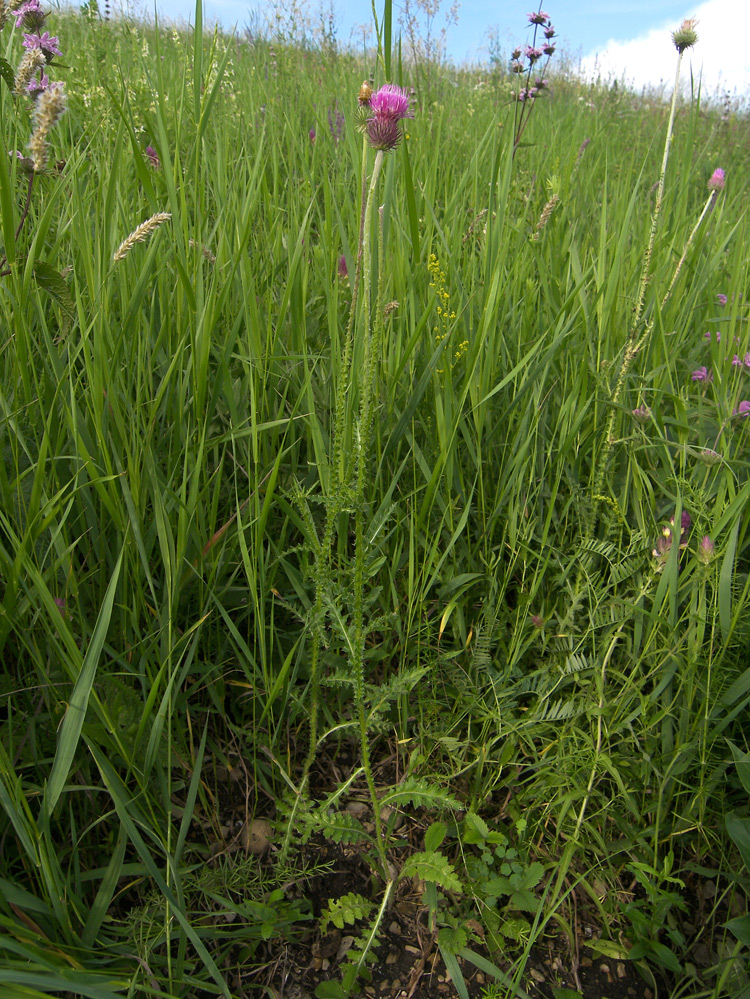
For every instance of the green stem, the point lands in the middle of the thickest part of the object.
(372, 329)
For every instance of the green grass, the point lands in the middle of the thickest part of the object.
(162, 415)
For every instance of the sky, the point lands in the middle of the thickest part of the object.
(624, 39)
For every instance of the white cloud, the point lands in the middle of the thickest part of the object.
(721, 56)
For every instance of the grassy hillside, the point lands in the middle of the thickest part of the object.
(376, 509)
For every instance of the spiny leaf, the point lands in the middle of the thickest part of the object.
(341, 827)
(433, 867)
(419, 792)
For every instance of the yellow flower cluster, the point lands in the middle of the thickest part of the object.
(445, 315)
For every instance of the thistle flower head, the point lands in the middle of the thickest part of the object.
(685, 36)
(391, 102)
(386, 109)
(383, 132)
(642, 414)
(717, 180)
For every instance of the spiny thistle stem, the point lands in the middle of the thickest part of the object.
(337, 488)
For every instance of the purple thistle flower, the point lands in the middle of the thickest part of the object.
(642, 414)
(532, 54)
(742, 410)
(383, 132)
(717, 180)
(391, 102)
(153, 157)
(721, 299)
(702, 374)
(343, 270)
(388, 106)
(538, 18)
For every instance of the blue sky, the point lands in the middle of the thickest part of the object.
(622, 38)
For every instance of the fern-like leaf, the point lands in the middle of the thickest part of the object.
(433, 867)
(419, 792)
(347, 909)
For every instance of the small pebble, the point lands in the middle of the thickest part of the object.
(394, 927)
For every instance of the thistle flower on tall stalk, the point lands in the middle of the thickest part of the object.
(379, 117)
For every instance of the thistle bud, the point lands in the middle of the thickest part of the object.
(685, 36)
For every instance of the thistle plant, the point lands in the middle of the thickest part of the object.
(380, 115)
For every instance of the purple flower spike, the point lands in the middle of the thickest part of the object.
(721, 299)
(153, 157)
(46, 42)
(717, 180)
(702, 374)
(37, 86)
(311, 135)
(343, 270)
(391, 102)
(29, 14)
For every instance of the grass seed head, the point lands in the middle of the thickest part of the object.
(140, 234)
